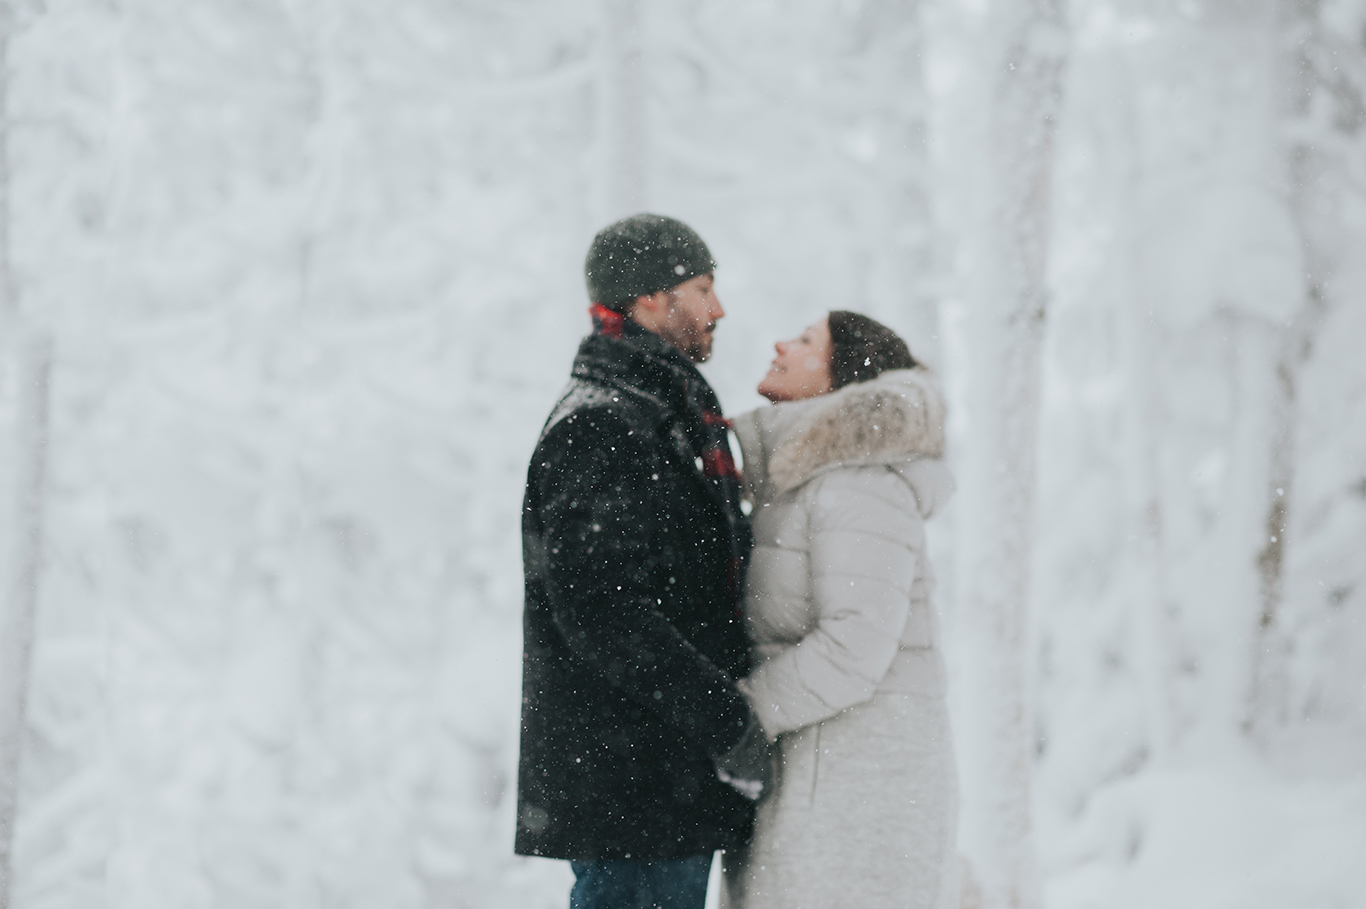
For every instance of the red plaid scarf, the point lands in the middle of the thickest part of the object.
(710, 434)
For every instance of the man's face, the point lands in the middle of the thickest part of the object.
(690, 317)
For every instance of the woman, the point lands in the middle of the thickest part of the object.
(844, 469)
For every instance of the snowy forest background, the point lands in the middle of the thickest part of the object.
(306, 278)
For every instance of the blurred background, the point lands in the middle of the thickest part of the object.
(306, 277)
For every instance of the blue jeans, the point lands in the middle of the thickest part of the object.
(629, 884)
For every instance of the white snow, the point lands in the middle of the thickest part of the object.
(1235, 835)
(314, 274)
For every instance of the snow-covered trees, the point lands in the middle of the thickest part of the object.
(315, 273)
(25, 372)
(1179, 271)
(1321, 75)
(996, 525)
(27, 360)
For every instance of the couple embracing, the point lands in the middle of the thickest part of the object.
(717, 662)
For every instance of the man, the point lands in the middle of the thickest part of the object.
(639, 756)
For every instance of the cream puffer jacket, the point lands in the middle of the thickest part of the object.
(838, 593)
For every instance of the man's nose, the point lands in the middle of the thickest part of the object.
(716, 311)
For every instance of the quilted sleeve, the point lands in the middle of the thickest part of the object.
(864, 545)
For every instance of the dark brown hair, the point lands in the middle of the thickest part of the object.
(862, 349)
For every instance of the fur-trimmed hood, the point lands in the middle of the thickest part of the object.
(896, 420)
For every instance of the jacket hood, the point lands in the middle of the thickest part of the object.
(895, 420)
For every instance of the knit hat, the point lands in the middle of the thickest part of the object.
(642, 255)
(862, 348)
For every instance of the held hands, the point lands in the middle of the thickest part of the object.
(748, 766)
(750, 789)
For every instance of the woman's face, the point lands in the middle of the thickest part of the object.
(802, 367)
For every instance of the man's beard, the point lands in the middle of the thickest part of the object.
(693, 339)
(697, 347)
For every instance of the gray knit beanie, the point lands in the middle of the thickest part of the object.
(642, 255)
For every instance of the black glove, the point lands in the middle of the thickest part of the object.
(748, 765)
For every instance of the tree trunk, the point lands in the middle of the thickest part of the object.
(1267, 703)
(997, 529)
(1152, 607)
(9, 306)
(20, 566)
(1252, 346)
(23, 567)
(1313, 79)
(621, 106)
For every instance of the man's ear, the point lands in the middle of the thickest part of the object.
(649, 310)
(651, 304)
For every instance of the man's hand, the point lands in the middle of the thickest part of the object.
(748, 766)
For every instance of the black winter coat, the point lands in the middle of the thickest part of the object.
(631, 634)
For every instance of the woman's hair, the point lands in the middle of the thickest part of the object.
(862, 349)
